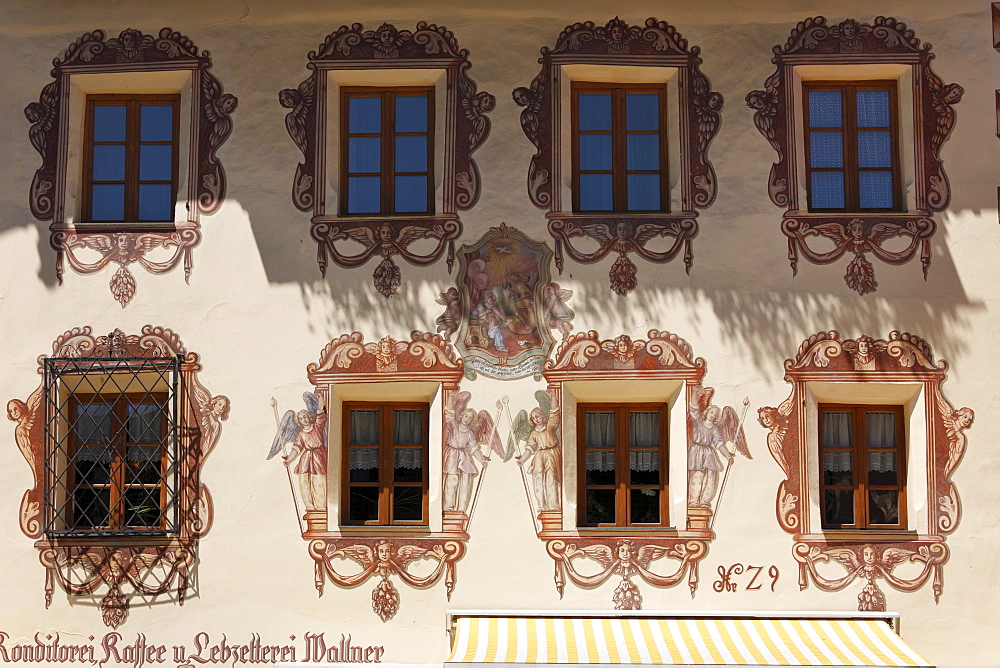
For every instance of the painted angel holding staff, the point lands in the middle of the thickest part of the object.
(465, 432)
(713, 432)
(301, 438)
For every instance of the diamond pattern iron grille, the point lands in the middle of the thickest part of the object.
(111, 456)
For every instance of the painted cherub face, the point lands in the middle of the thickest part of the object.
(536, 417)
(712, 414)
(382, 551)
(767, 417)
(466, 418)
(15, 410)
(305, 419)
(863, 346)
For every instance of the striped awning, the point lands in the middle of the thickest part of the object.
(650, 641)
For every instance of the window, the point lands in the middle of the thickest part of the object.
(112, 447)
(623, 455)
(130, 168)
(858, 119)
(863, 467)
(388, 151)
(387, 123)
(621, 118)
(619, 148)
(386, 463)
(852, 156)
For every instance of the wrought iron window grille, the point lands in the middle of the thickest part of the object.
(112, 461)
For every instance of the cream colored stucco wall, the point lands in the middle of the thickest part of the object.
(257, 312)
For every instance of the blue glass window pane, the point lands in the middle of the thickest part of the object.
(364, 154)
(595, 192)
(875, 190)
(642, 111)
(873, 108)
(826, 149)
(156, 122)
(109, 163)
(364, 114)
(154, 202)
(411, 154)
(643, 192)
(825, 109)
(595, 152)
(874, 148)
(411, 113)
(827, 191)
(363, 194)
(595, 111)
(109, 122)
(156, 162)
(643, 152)
(411, 194)
(107, 202)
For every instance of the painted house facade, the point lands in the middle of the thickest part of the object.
(426, 333)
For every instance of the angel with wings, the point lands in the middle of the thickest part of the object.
(713, 432)
(465, 432)
(301, 438)
(539, 432)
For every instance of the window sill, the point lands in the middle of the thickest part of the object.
(863, 536)
(118, 227)
(112, 542)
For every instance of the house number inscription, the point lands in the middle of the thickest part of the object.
(752, 578)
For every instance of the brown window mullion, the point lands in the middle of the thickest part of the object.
(388, 181)
(622, 495)
(385, 473)
(131, 210)
(619, 150)
(849, 120)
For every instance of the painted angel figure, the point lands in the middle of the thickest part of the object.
(557, 314)
(448, 322)
(301, 438)
(539, 432)
(714, 431)
(465, 432)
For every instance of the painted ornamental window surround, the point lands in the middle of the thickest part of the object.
(871, 409)
(395, 61)
(657, 377)
(890, 150)
(121, 207)
(563, 170)
(411, 385)
(116, 436)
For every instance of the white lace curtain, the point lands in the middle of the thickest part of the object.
(408, 429)
(644, 431)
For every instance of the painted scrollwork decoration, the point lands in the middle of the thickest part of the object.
(352, 47)
(901, 357)
(626, 559)
(814, 41)
(383, 559)
(131, 51)
(150, 566)
(872, 563)
(617, 43)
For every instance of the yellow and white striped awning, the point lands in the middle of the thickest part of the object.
(650, 641)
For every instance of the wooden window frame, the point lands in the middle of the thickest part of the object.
(622, 485)
(619, 171)
(849, 128)
(132, 144)
(860, 468)
(387, 133)
(116, 484)
(386, 468)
